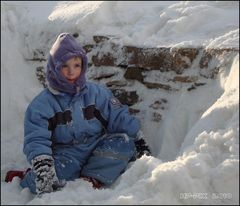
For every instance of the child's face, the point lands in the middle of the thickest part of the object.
(71, 70)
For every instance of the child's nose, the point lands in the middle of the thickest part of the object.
(71, 69)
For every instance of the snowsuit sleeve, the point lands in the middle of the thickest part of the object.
(37, 137)
(117, 115)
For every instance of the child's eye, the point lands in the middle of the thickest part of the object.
(77, 65)
(64, 65)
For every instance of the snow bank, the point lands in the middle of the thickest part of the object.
(196, 158)
(143, 24)
(18, 86)
(151, 24)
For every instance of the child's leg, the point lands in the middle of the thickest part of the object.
(66, 168)
(110, 158)
(29, 181)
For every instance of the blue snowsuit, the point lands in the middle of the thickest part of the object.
(88, 133)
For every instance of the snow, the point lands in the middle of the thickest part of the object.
(153, 23)
(195, 147)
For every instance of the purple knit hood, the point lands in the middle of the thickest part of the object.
(64, 48)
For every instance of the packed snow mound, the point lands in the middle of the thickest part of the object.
(201, 128)
(154, 24)
(143, 24)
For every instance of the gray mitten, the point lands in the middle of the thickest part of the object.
(46, 178)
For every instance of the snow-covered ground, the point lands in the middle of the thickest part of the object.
(196, 146)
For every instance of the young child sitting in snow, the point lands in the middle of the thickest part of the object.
(76, 128)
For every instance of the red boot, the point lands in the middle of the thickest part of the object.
(95, 183)
(15, 173)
